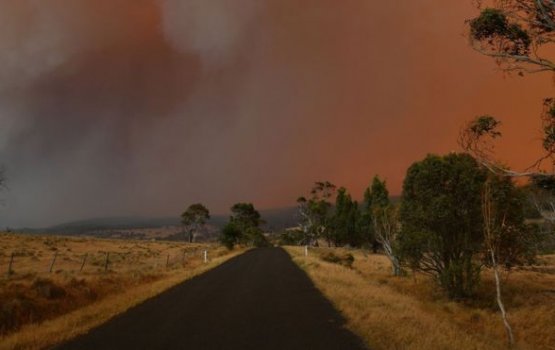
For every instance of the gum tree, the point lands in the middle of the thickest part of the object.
(315, 213)
(193, 219)
(441, 221)
(385, 222)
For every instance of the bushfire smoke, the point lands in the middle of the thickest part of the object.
(141, 107)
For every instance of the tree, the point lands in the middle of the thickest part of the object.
(230, 235)
(385, 223)
(441, 220)
(478, 138)
(495, 226)
(345, 220)
(194, 218)
(315, 213)
(507, 241)
(518, 34)
(243, 227)
(366, 221)
(514, 243)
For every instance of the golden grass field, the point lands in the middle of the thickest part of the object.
(411, 313)
(39, 309)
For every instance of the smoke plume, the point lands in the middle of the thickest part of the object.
(141, 107)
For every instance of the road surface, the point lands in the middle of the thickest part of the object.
(258, 300)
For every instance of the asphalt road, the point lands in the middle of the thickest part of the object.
(258, 300)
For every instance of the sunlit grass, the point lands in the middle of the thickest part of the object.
(67, 303)
(411, 313)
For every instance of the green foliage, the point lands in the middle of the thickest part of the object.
(244, 215)
(385, 221)
(315, 213)
(441, 220)
(291, 237)
(193, 218)
(345, 259)
(494, 29)
(379, 193)
(548, 121)
(544, 182)
(243, 227)
(485, 125)
(230, 235)
(515, 243)
(345, 221)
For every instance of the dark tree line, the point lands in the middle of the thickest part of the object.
(332, 216)
(437, 227)
(243, 227)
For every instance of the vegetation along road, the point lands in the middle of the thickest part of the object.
(258, 300)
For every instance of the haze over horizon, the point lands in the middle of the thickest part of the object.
(141, 107)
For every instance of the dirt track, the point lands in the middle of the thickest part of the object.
(259, 300)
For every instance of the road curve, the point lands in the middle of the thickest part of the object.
(258, 300)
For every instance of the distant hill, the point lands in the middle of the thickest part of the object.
(275, 220)
(279, 219)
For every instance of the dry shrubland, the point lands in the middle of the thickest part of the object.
(412, 313)
(39, 308)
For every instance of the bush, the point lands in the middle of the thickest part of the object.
(48, 289)
(345, 259)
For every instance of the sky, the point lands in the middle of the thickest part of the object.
(142, 107)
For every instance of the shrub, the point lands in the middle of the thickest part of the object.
(345, 259)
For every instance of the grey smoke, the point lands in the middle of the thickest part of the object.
(140, 107)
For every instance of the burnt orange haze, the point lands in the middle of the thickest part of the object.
(139, 107)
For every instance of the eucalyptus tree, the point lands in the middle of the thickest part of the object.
(315, 213)
(385, 222)
(194, 219)
(520, 36)
(441, 220)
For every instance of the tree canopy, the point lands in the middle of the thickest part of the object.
(441, 220)
(243, 227)
(194, 218)
(518, 34)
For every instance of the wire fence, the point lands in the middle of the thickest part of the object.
(23, 262)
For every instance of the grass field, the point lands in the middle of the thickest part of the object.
(39, 308)
(411, 313)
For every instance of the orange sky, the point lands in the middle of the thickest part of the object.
(138, 107)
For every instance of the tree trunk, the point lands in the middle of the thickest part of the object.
(510, 335)
(395, 266)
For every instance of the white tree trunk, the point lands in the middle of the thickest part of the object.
(510, 335)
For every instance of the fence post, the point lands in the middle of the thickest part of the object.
(306, 250)
(205, 256)
(168, 261)
(10, 270)
(83, 264)
(107, 261)
(52, 263)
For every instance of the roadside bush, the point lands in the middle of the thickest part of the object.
(345, 259)
(48, 289)
(291, 237)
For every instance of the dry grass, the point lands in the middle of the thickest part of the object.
(411, 313)
(40, 309)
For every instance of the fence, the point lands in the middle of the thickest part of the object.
(22, 262)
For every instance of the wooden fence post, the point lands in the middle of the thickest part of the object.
(52, 263)
(10, 270)
(107, 261)
(205, 256)
(84, 261)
